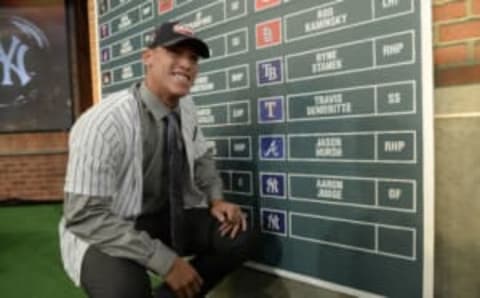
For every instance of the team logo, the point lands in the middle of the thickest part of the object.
(264, 4)
(104, 31)
(272, 147)
(182, 29)
(13, 62)
(21, 44)
(105, 54)
(272, 185)
(270, 72)
(268, 33)
(165, 6)
(270, 109)
(274, 221)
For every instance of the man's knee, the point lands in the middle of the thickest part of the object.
(104, 276)
(243, 245)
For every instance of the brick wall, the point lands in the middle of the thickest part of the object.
(32, 166)
(456, 42)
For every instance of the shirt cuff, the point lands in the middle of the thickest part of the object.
(162, 259)
(215, 192)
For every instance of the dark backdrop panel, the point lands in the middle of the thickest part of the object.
(35, 78)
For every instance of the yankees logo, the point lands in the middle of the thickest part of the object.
(13, 62)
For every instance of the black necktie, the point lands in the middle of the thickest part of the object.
(175, 158)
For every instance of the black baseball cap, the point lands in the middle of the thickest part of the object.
(174, 33)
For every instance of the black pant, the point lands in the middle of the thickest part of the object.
(104, 276)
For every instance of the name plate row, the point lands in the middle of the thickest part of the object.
(369, 237)
(228, 79)
(385, 147)
(132, 18)
(340, 15)
(231, 147)
(224, 114)
(237, 182)
(213, 14)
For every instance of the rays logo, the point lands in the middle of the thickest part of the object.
(12, 54)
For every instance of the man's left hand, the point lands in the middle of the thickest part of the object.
(230, 216)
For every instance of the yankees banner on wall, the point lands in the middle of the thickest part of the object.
(35, 87)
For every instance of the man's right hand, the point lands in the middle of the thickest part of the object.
(183, 279)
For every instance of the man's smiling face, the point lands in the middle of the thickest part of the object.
(171, 71)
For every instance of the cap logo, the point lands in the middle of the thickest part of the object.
(182, 29)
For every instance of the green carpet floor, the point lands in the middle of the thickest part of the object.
(30, 264)
(29, 253)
